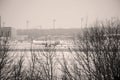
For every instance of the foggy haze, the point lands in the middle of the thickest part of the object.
(67, 13)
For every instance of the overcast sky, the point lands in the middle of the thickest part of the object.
(68, 13)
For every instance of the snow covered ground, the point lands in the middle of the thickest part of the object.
(24, 49)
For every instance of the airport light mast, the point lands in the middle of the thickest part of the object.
(54, 27)
(81, 23)
(27, 24)
(54, 20)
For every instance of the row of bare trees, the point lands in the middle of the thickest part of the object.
(98, 53)
(41, 66)
(97, 57)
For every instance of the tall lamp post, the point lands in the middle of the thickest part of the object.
(54, 20)
(27, 24)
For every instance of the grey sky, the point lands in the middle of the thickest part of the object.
(68, 13)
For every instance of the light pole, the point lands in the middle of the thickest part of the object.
(81, 22)
(54, 20)
(86, 21)
(27, 24)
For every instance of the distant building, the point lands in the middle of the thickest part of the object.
(22, 37)
(8, 32)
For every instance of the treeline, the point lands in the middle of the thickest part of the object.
(100, 59)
